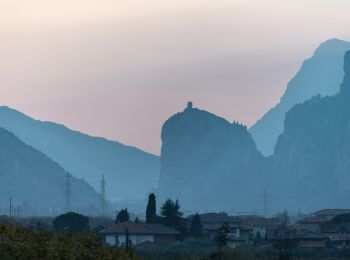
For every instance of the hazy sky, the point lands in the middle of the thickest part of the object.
(120, 68)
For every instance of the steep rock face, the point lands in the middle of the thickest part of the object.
(129, 172)
(311, 164)
(209, 163)
(29, 176)
(321, 74)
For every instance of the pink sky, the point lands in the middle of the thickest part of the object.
(119, 69)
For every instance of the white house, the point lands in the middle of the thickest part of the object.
(138, 234)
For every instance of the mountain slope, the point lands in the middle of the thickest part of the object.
(321, 74)
(30, 177)
(311, 164)
(208, 163)
(129, 172)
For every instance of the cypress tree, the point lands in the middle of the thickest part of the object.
(151, 209)
(196, 229)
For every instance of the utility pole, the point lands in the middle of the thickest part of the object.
(10, 207)
(103, 196)
(67, 192)
(265, 208)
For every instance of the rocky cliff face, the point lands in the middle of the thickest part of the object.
(321, 74)
(311, 164)
(31, 178)
(209, 163)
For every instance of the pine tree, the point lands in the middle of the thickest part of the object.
(196, 229)
(172, 217)
(151, 209)
(170, 211)
(122, 216)
(222, 237)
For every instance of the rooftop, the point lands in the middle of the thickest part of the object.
(139, 228)
(331, 212)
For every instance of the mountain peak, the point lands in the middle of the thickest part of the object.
(345, 86)
(322, 74)
(331, 46)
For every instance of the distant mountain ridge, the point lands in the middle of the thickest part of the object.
(321, 74)
(31, 178)
(129, 172)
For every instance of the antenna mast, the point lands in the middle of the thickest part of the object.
(67, 192)
(265, 209)
(103, 196)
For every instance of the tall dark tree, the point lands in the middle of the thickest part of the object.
(74, 222)
(196, 229)
(223, 235)
(151, 209)
(171, 214)
(122, 216)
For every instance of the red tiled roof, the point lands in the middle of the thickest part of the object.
(139, 228)
(217, 218)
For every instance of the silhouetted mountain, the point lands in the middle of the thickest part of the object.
(311, 164)
(209, 163)
(129, 172)
(31, 178)
(321, 74)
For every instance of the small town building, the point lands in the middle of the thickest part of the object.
(339, 234)
(211, 223)
(331, 213)
(288, 237)
(313, 223)
(310, 239)
(138, 233)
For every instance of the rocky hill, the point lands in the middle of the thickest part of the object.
(209, 163)
(36, 182)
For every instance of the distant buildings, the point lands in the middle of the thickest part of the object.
(318, 230)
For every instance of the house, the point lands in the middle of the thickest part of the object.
(339, 234)
(331, 213)
(211, 223)
(138, 233)
(238, 234)
(258, 225)
(243, 229)
(288, 237)
(310, 239)
(313, 223)
(282, 237)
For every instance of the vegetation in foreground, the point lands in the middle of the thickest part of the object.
(17, 242)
